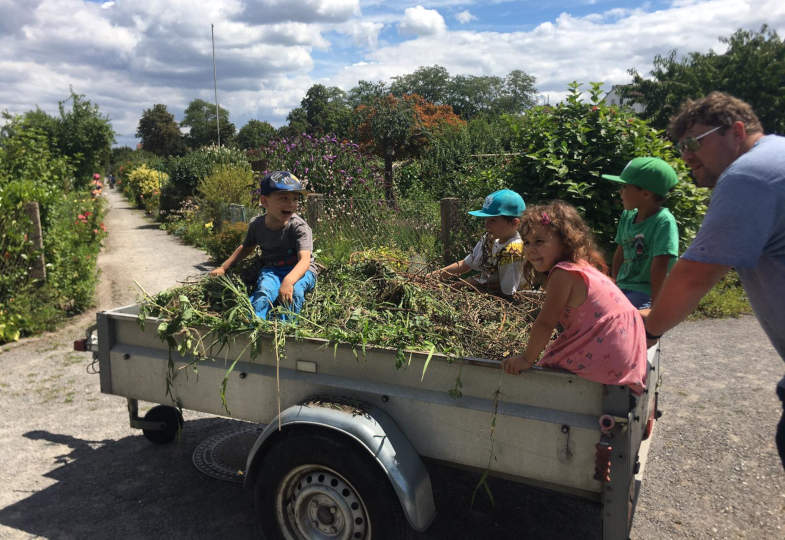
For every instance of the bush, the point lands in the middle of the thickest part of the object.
(325, 164)
(187, 171)
(568, 146)
(726, 299)
(221, 244)
(227, 184)
(145, 185)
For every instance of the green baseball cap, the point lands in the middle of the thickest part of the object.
(649, 173)
(504, 202)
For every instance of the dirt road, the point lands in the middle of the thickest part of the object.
(71, 467)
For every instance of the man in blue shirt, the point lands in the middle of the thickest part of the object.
(722, 141)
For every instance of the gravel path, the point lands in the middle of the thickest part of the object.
(71, 467)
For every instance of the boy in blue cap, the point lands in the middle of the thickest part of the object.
(498, 256)
(286, 241)
(647, 235)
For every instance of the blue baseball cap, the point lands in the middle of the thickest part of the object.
(504, 202)
(280, 181)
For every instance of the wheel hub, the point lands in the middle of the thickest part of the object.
(318, 503)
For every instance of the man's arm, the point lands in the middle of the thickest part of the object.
(687, 283)
(658, 272)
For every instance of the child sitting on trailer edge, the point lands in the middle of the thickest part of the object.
(498, 256)
(288, 269)
(603, 338)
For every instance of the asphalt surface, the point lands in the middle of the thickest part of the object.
(71, 467)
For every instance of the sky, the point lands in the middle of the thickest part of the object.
(127, 55)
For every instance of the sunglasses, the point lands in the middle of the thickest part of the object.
(691, 144)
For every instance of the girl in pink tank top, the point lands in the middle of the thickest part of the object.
(603, 338)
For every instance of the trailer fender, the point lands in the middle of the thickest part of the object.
(371, 429)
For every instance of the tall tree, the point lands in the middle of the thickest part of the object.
(326, 110)
(159, 132)
(254, 134)
(752, 68)
(365, 93)
(396, 128)
(84, 135)
(200, 117)
(432, 83)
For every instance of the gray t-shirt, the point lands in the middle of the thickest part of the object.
(745, 228)
(280, 247)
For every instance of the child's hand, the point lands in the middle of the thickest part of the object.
(217, 272)
(516, 364)
(285, 292)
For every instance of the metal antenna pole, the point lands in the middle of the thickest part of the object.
(215, 86)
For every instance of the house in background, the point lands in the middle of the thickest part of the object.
(614, 98)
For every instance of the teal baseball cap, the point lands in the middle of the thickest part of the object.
(649, 173)
(504, 202)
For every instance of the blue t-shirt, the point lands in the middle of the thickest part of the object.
(744, 227)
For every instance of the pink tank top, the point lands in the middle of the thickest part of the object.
(603, 339)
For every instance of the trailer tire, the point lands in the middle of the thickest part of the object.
(171, 417)
(319, 484)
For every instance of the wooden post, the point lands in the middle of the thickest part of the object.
(449, 215)
(36, 236)
(314, 209)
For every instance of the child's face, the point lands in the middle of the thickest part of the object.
(543, 248)
(280, 206)
(631, 196)
(501, 228)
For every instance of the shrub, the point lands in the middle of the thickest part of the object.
(187, 171)
(568, 146)
(145, 185)
(325, 164)
(222, 243)
(227, 184)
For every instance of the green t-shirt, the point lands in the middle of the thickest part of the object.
(641, 242)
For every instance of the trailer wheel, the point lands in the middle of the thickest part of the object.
(171, 417)
(315, 484)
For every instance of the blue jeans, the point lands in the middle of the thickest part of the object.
(781, 425)
(640, 300)
(265, 295)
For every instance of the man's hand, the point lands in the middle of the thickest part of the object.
(217, 271)
(516, 364)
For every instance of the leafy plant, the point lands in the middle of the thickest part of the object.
(566, 148)
(145, 185)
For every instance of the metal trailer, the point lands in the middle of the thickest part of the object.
(341, 454)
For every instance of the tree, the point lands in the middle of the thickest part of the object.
(84, 135)
(468, 95)
(200, 117)
(254, 134)
(752, 68)
(297, 123)
(159, 132)
(396, 128)
(432, 83)
(326, 110)
(365, 93)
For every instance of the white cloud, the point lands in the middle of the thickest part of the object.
(128, 56)
(419, 21)
(271, 11)
(465, 17)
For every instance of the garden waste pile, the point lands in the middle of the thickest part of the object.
(371, 300)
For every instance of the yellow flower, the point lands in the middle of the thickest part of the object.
(208, 225)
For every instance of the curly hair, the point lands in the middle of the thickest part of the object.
(716, 109)
(564, 220)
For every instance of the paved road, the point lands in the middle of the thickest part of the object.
(71, 467)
